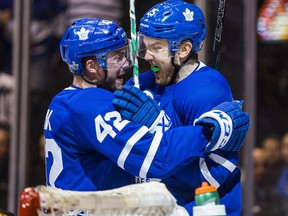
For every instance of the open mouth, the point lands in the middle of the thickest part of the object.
(120, 76)
(155, 68)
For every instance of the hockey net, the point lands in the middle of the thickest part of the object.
(146, 199)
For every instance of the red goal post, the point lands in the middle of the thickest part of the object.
(138, 200)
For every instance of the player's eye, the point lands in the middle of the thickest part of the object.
(119, 56)
(156, 49)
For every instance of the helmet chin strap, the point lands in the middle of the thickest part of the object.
(98, 84)
(177, 67)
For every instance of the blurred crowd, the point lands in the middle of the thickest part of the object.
(270, 160)
(49, 19)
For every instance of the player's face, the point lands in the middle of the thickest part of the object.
(156, 52)
(117, 62)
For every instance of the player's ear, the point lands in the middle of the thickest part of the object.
(91, 65)
(93, 72)
(185, 49)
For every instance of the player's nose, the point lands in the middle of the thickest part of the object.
(148, 56)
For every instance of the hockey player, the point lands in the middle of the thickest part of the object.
(170, 35)
(88, 146)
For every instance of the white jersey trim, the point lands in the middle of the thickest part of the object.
(129, 145)
(223, 162)
(201, 65)
(207, 175)
(151, 153)
(217, 159)
(70, 88)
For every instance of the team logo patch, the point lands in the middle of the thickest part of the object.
(73, 66)
(189, 15)
(83, 34)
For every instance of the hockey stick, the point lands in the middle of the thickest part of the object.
(218, 32)
(134, 42)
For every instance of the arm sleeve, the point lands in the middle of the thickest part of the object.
(216, 167)
(139, 152)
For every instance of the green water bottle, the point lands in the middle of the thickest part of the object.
(206, 195)
(208, 202)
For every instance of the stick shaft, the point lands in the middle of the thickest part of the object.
(134, 42)
(218, 32)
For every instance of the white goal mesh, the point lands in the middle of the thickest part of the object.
(133, 200)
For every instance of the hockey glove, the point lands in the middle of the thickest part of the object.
(134, 105)
(225, 126)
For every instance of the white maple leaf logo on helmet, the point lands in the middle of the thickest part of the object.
(83, 34)
(189, 15)
(73, 66)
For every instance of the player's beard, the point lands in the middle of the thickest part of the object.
(163, 77)
(114, 80)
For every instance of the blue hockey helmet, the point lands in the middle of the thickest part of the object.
(90, 37)
(175, 21)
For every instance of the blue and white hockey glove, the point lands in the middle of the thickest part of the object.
(225, 126)
(134, 105)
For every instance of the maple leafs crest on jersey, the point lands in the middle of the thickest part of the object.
(166, 122)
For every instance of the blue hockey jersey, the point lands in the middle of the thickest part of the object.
(89, 147)
(184, 102)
